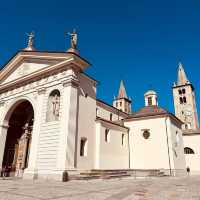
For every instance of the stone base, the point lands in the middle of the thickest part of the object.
(57, 175)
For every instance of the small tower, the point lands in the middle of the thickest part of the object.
(122, 102)
(184, 100)
(150, 98)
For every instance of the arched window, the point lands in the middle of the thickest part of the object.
(180, 91)
(183, 91)
(150, 101)
(53, 106)
(181, 100)
(184, 100)
(188, 150)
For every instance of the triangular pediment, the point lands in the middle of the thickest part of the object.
(25, 63)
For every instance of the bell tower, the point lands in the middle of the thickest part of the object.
(122, 102)
(184, 100)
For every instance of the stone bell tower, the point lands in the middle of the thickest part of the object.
(122, 102)
(184, 100)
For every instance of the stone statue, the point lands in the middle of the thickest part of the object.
(30, 41)
(74, 39)
(56, 105)
(53, 108)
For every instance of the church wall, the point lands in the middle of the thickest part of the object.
(112, 154)
(104, 113)
(177, 149)
(151, 153)
(86, 121)
(193, 160)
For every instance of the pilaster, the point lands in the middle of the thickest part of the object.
(31, 171)
(69, 124)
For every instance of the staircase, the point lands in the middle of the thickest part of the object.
(110, 174)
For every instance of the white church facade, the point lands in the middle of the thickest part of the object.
(52, 124)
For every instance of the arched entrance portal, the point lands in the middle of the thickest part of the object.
(18, 140)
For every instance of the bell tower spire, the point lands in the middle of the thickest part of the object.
(122, 102)
(182, 78)
(184, 100)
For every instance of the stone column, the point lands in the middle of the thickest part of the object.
(31, 171)
(67, 147)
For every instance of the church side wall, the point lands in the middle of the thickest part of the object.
(112, 154)
(193, 160)
(178, 150)
(151, 153)
(104, 113)
(86, 122)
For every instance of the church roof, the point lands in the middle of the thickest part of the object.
(122, 91)
(149, 111)
(182, 78)
(153, 111)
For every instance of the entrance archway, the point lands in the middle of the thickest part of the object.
(18, 139)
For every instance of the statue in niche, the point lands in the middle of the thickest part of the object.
(53, 106)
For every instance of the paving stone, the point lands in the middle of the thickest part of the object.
(167, 188)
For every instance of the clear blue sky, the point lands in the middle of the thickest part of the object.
(138, 41)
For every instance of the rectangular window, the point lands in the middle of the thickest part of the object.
(123, 138)
(83, 147)
(107, 135)
(111, 116)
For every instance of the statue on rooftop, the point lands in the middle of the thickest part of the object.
(73, 38)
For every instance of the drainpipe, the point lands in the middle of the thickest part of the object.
(129, 153)
(170, 168)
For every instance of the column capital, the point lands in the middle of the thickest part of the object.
(4, 126)
(41, 90)
(71, 81)
(2, 103)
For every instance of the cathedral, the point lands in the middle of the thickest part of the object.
(53, 126)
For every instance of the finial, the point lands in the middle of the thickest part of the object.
(73, 41)
(30, 41)
(180, 65)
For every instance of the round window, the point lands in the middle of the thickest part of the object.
(146, 134)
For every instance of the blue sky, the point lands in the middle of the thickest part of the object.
(139, 41)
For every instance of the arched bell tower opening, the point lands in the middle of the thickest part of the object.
(20, 120)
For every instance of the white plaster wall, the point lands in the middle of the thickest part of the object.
(178, 148)
(104, 113)
(112, 154)
(86, 121)
(149, 153)
(193, 160)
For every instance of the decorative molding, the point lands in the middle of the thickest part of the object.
(2, 103)
(41, 90)
(71, 81)
(4, 126)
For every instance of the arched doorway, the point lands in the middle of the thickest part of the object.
(18, 140)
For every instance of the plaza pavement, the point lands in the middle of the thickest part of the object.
(171, 188)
